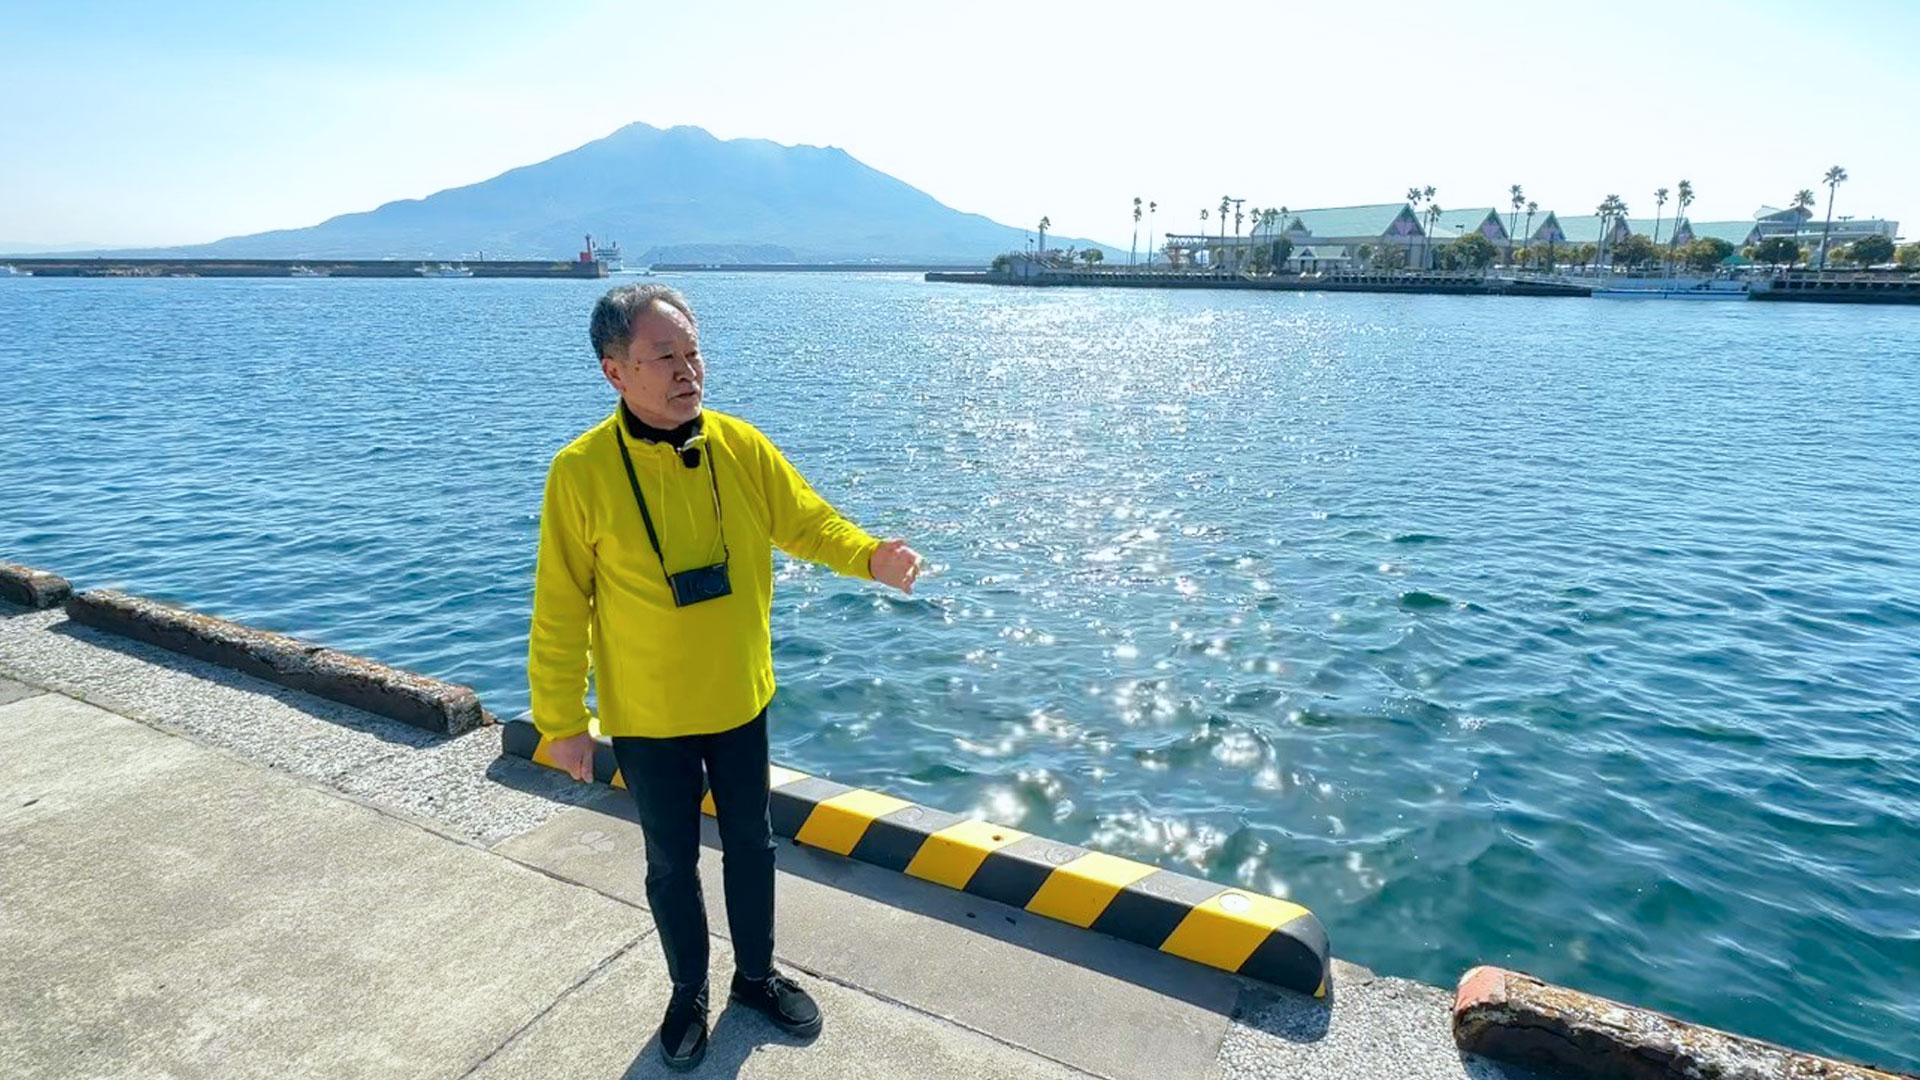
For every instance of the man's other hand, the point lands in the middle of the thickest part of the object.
(574, 754)
(894, 563)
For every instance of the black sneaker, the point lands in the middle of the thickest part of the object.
(781, 1000)
(683, 1034)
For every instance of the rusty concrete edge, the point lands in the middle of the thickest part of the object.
(32, 588)
(441, 707)
(1511, 1016)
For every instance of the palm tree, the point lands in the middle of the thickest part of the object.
(1433, 218)
(1683, 198)
(1605, 210)
(1659, 203)
(1803, 200)
(1133, 249)
(1226, 201)
(1834, 178)
(1519, 200)
(1528, 240)
(1151, 207)
(1267, 219)
(1414, 198)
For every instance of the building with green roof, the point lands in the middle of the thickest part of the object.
(1485, 220)
(1737, 233)
(1336, 234)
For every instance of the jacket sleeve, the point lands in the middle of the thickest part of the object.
(558, 640)
(805, 525)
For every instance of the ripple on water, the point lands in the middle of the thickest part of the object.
(1575, 637)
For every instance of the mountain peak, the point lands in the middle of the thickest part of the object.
(649, 188)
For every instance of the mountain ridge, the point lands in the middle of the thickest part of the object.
(654, 188)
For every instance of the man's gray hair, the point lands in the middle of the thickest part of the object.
(612, 327)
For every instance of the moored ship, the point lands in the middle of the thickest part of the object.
(607, 254)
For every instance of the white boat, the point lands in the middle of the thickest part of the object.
(443, 270)
(609, 256)
(308, 271)
(9, 270)
(1673, 288)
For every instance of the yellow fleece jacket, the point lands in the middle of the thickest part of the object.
(661, 670)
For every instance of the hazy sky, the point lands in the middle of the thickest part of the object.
(137, 123)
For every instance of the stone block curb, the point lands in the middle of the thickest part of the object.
(364, 684)
(1513, 1017)
(32, 588)
(1238, 930)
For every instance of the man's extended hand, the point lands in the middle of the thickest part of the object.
(894, 563)
(574, 754)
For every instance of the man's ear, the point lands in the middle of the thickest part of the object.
(612, 372)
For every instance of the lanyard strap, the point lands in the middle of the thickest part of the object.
(647, 519)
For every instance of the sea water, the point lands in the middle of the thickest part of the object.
(1572, 635)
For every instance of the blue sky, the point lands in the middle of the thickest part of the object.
(171, 123)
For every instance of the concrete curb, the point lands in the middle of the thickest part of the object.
(1518, 1018)
(32, 588)
(364, 684)
(1261, 937)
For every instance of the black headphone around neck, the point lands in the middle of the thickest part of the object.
(689, 451)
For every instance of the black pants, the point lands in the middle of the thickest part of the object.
(667, 778)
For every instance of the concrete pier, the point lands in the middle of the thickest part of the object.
(208, 874)
(1436, 282)
(300, 268)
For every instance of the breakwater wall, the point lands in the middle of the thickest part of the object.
(806, 268)
(300, 268)
(1444, 284)
(1817, 288)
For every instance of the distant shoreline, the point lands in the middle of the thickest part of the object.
(816, 268)
(302, 268)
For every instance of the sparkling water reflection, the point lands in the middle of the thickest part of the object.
(1578, 636)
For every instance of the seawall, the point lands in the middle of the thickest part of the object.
(286, 268)
(1439, 283)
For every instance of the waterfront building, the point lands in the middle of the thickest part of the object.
(1335, 235)
(1800, 224)
(1349, 237)
(1485, 220)
(1806, 228)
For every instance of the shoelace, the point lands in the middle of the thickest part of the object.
(776, 984)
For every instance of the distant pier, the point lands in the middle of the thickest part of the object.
(1801, 286)
(1814, 287)
(75, 266)
(1438, 282)
(804, 268)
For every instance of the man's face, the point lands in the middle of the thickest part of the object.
(662, 376)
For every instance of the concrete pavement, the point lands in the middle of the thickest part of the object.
(210, 875)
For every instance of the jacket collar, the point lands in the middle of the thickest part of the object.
(674, 438)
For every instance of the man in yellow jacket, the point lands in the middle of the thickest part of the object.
(656, 537)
